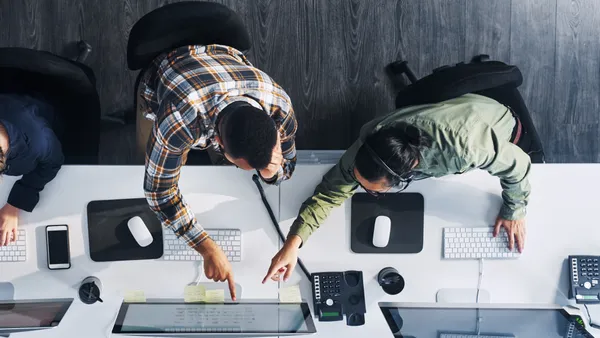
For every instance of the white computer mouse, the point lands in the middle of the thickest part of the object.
(139, 231)
(381, 231)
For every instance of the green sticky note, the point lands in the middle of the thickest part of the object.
(214, 296)
(134, 296)
(194, 293)
(290, 294)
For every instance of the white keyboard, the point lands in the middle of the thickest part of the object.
(230, 241)
(458, 335)
(15, 251)
(475, 243)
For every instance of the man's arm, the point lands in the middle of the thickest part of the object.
(507, 162)
(288, 146)
(337, 186)
(25, 193)
(169, 140)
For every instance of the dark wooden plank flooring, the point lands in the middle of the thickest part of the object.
(330, 56)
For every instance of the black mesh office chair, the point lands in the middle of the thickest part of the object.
(493, 79)
(181, 24)
(173, 26)
(69, 86)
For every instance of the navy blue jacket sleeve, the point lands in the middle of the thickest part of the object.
(25, 193)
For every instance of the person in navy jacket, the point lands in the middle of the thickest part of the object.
(28, 147)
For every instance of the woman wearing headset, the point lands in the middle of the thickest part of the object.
(417, 142)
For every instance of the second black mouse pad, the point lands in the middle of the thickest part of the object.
(405, 210)
(109, 235)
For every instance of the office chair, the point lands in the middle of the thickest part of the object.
(493, 79)
(176, 25)
(69, 86)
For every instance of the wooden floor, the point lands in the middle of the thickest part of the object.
(330, 57)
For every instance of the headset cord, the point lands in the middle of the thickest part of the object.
(263, 197)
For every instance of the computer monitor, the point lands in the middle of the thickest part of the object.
(411, 320)
(165, 318)
(33, 314)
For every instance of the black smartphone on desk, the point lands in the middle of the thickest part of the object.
(57, 247)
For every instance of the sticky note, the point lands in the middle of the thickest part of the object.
(194, 293)
(135, 296)
(290, 294)
(214, 296)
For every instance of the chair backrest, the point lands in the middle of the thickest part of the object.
(28, 70)
(449, 82)
(493, 79)
(68, 86)
(180, 24)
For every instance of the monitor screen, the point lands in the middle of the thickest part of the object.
(445, 321)
(32, 313)
(214, 318)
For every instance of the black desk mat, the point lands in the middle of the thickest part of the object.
(405, 210)
(110, 238)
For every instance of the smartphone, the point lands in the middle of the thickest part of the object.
(57, 244)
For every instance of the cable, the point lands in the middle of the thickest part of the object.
(479, 319)
(480, 279)
(263, 197)
(200, 272)
(590, 318)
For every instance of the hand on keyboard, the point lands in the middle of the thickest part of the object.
(515, 231)
(9, 220)
(216, 264)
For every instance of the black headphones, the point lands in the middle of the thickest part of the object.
(381, 163)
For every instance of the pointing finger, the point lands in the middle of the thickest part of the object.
(231, 286)
(272, 270)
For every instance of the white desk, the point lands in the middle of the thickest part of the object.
(221, 197)
(563, 205)
(562, 220)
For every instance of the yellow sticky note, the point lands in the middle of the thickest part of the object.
(194, 293)
(135, 296)
(290, 294)
(215, 296)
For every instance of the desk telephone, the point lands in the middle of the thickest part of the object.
(336, 294)
(584, 279)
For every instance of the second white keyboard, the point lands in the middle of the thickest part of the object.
(476, 243)
(15, 251)
(230, 241)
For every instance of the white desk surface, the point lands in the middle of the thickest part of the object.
(220, 197)
(560, 222)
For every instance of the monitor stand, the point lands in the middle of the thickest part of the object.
(454, 296)
(7, 291)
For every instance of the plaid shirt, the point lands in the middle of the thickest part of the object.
(183, 92)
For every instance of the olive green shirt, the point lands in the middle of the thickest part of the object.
(468, 132)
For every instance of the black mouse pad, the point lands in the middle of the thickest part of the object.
(405, 210)
(109, 236)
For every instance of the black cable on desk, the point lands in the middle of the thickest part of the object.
(263, 197)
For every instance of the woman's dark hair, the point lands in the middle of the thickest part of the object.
(398, 146)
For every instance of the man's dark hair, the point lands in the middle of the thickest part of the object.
(398, 147)
(249, 133)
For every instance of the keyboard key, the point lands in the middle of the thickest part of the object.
(473, 243)
(230, 241)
